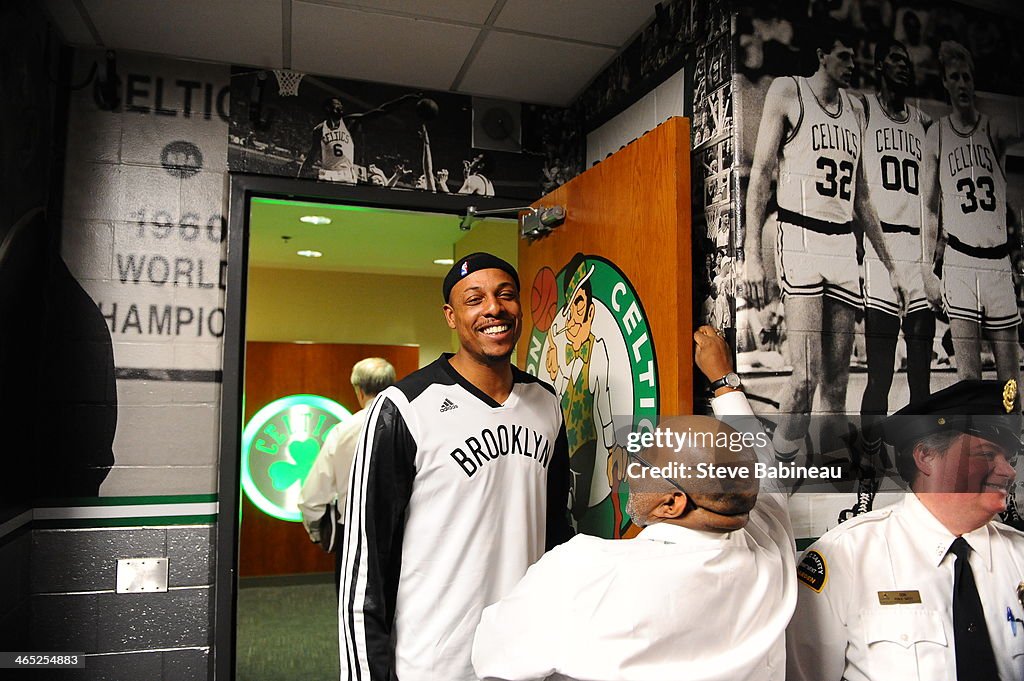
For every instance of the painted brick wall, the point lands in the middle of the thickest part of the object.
(143, 217)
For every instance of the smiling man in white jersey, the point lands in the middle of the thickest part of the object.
(460, 482)
(966, 185)
(812, 131)
(893, 153)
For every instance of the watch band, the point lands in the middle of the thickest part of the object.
(730, 380)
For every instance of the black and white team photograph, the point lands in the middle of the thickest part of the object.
(879, 189)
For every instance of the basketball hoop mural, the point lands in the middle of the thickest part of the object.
(591, 340)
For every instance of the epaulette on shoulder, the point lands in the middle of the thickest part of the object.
(861, 520)
(1009, 530)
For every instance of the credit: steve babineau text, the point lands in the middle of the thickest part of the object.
(759, 470)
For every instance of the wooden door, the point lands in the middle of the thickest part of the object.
(607, 301)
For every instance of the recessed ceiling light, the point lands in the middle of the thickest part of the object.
(444, 261)
(315, 219)
(309, 254)
(303, 342)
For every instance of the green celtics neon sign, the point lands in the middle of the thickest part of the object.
(279, 445)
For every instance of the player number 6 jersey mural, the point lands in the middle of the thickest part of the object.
(592, 341)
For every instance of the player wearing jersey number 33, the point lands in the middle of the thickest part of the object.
(966, 151)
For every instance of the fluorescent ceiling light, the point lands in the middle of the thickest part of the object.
(444, 261)
(309, 254)
(315, 219)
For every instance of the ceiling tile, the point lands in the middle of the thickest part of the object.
(470, 11)
(610, 22)
(69, 22)
(232, 31)
(377, 47)
(537, 70)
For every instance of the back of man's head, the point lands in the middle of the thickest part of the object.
(702, 458)
(372, 375)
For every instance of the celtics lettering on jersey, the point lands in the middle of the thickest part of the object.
(977, 191)
(825, 148)
(972, 184)
(502, 441)
(893, 158)
(336, 148)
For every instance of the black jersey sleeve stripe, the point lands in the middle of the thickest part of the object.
(558, 530)
(379, 491)
(351, 549)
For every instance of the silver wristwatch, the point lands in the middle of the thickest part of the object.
(730, 380)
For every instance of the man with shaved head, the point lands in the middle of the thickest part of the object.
(460, 482)
(705, 591)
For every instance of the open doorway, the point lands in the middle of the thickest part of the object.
(315, 283)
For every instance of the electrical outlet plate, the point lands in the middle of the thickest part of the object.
(141, 575)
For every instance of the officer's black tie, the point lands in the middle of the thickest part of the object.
(975, 660)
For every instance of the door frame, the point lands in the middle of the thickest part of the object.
(242, 188)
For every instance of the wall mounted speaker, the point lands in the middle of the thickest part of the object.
(497, 125)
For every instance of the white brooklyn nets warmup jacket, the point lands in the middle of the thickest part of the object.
(452, 497)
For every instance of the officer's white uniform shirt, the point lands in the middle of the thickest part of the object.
(842, 631)
(672, 603)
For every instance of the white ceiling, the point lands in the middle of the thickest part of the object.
(357, 239)
(539, 51)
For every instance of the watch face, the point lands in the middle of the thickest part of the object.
(732, 380)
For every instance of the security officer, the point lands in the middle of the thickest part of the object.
(929, 588)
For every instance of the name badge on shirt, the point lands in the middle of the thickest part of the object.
(899, 597)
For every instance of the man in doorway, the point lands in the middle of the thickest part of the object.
(811, 132)
(703, 592)
(929, 588)
(966, 151)
(460, 483)
(326, 487)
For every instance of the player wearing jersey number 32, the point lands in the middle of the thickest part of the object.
(812, 131)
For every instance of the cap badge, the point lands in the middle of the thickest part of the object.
(1009, 395)
(465, 270)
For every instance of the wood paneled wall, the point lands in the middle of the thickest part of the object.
(268, 546)
(633, 209)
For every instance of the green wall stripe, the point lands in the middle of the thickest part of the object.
(78, 523)
(126, 501)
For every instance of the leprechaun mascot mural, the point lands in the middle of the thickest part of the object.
(596, 349)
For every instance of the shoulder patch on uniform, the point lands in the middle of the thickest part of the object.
(813, 571)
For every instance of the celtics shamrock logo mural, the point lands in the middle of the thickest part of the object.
(592, 341)
(279, 445)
